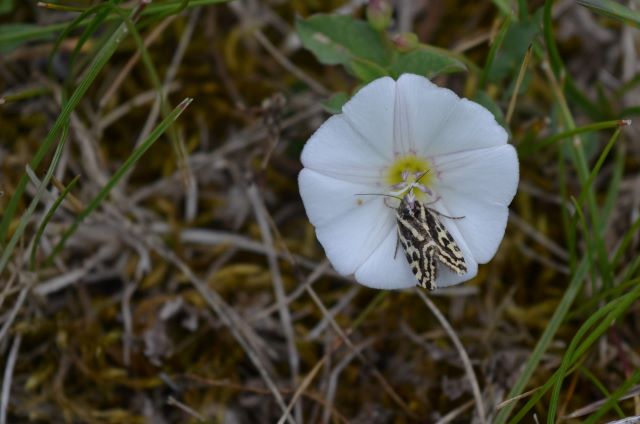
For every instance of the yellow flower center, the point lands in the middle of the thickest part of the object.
(406, 170)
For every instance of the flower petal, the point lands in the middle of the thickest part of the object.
(466, 126)
(371, 113)
(425, 108)
(384, 271)
(349, 228)
(479, 185)
(326, 198)
(337, 150)
(482, 222)
(350, 239)
(487, 175)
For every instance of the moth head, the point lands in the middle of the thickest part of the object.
(410, 199)
(408, 205)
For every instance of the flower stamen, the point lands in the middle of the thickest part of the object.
(410, 176)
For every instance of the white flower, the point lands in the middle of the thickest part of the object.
(387, 135)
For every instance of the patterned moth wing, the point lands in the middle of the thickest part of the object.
(424, 239)
(448, 251)
(421, 255)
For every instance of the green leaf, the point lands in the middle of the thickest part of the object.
(365, 70)
(518, 38)
(424, 62)
(339, 39)
(334, 103)
(613, 9)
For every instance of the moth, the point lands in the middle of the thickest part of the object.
(426, 240)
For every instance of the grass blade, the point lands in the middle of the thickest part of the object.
(98, 63)
(26, 216)
(600, 386)
(47, 218)
(547, 337)
(614, 10)
(15, 35)
(493, 51)
(126, 166)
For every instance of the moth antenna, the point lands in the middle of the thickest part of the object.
(378, 194)
(421, 175)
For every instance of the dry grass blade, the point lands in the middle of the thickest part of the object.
(345, 338)
(451, 416)
(186, 408)
(319, 271)
(288, 65)
(516, 398)
(516, 89)
(538, 237)
(316, 331)
(141, 99)
(216, 238)
(6, 326)
(300, 390)
(261, 215)
(627, 420)
(232, 321)
(8, 375)
(332, 385)
(464, 357)
(124, 72)
(306, 393)
(585, 410)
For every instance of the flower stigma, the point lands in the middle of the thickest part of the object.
(410, 175)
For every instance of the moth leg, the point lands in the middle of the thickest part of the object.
(386, 203)
(439, 213)
(433, 201)
(395, 251)
(446, 216)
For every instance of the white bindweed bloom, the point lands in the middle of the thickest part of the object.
(388, 135)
